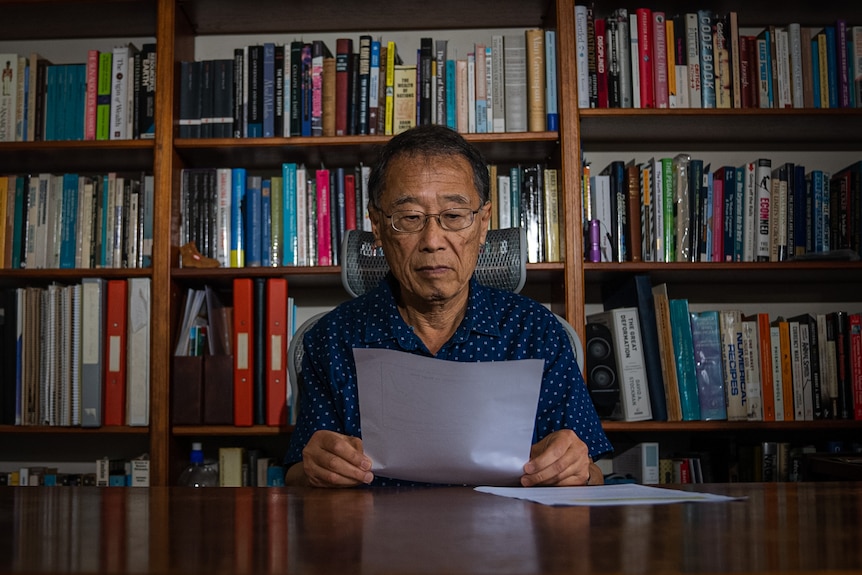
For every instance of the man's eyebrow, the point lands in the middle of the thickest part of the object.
(408, 199)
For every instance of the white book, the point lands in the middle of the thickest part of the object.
(92, 345)
(8, 96)
(730, 322)
(782, 64)
(498, 83)
(504, 195)
(794, 33)
(600, 192)
(223, 210)
(120, 91)
(64, 415)
(581, 56)
(138, 353)
(515, 77)
(749, 215)
(805, 367)
(763, 181)
(489, 88)
(117, 221)
(75, 351)
(640, 461)
(753, 384)
(796, 370)
(471, 93)
(624, 325)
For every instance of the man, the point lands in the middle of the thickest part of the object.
(429, 209)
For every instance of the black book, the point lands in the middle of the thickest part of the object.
(259, 370)
(279, 90)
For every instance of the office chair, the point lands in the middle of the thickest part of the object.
(502, 264)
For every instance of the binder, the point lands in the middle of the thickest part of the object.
(115, 352)
(92, 350)
(243, 345)
(138, 372)
(276, 351)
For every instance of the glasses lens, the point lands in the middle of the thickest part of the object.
(453, 219)
(456, 218)
(408, 221)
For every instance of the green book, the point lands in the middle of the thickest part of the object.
(103, 97)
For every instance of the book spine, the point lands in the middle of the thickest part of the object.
(683, 348)
(710, 361)
(243, 348)
(763, 178)
(660, 69)
(237, 223)
(324, 226)
(692, 42)
(646, 62)
(268, 90)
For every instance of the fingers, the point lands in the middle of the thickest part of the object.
(334, 460)
(560, 459)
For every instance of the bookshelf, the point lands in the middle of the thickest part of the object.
(194, 29)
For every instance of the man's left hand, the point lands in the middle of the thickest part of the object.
(560, 459)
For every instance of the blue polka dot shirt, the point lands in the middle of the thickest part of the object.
(498, 326)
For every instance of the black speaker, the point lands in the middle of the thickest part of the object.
(601, 373)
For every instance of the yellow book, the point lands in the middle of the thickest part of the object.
(494, 196)
(404, 107)
(391, 60)
(536, 119)
(552, 217)
(329, 96)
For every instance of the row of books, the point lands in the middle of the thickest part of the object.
(298, 217)
(230, 364)
(676, 364)
(680, 209)
(76, 355)
(507, 84)
(645, 464)
(111, 96)
(647, 58)
(76, 221)
(106, 473)
(241, 467)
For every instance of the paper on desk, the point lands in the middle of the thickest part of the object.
(438, 421)
(605, 495)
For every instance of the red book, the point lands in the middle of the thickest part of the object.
(115, 352)
(243, 347)
(324, 240)
(91, 94)
(660, 72)
(747, 71)
(645, 57)
(276, 351)
(350, 202)
(602, 61)
(343, 56)
(717, 254)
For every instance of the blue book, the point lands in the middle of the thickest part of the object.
(69, 222)
(254, 112)
(305, 90)
(266, 222)
(451, 114)
(50, 102)
(289, 225)
(339, 214)
(706, 341)
(815, 73)
(683, 352)
(551, 108)
(832, 65)
(764, 70)
(237, 225)
(18, 226)
(268, 90)
(739, 214)
(251, 215)
(728, 174)
(374, 87)
(705, 21)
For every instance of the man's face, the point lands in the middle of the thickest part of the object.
(434, 265)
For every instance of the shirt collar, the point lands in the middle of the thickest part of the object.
(481, 317)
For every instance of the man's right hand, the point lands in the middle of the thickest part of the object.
(331, 459)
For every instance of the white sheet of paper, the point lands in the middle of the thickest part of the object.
(605, 495)
(438, 421)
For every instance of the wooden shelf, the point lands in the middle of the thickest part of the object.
(738, 129)
(729, 427)
(58, 430)
(90, 156)
(212, 430)
(61, 19)
(43, 277)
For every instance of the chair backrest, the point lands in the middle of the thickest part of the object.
(502, 264)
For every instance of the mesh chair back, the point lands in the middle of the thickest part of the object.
(502, 261)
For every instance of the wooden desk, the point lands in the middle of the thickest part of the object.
(781, 527)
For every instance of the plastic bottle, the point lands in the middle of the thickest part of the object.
(199, 473)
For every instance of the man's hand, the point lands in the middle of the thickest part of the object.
(331, 459)
(560, 459)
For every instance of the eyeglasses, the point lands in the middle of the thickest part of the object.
(412, 221)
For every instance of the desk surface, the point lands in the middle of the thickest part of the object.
(780, 527)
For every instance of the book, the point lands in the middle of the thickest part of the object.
(645, 59)
(515, 86)
(631, 367)
(733, 359)
(8, 95)
(276, 351)
(243, 348)
(661, 301)
(535, 64)
(121, 91)
(641, 462)
(116, 340)
(683, 349)
(404, 102)
(709, 363)
(138, 360)
(751, 368)
(636, 291)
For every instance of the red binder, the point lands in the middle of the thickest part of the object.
(243, 345)
(115, 352)
(276, 351)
